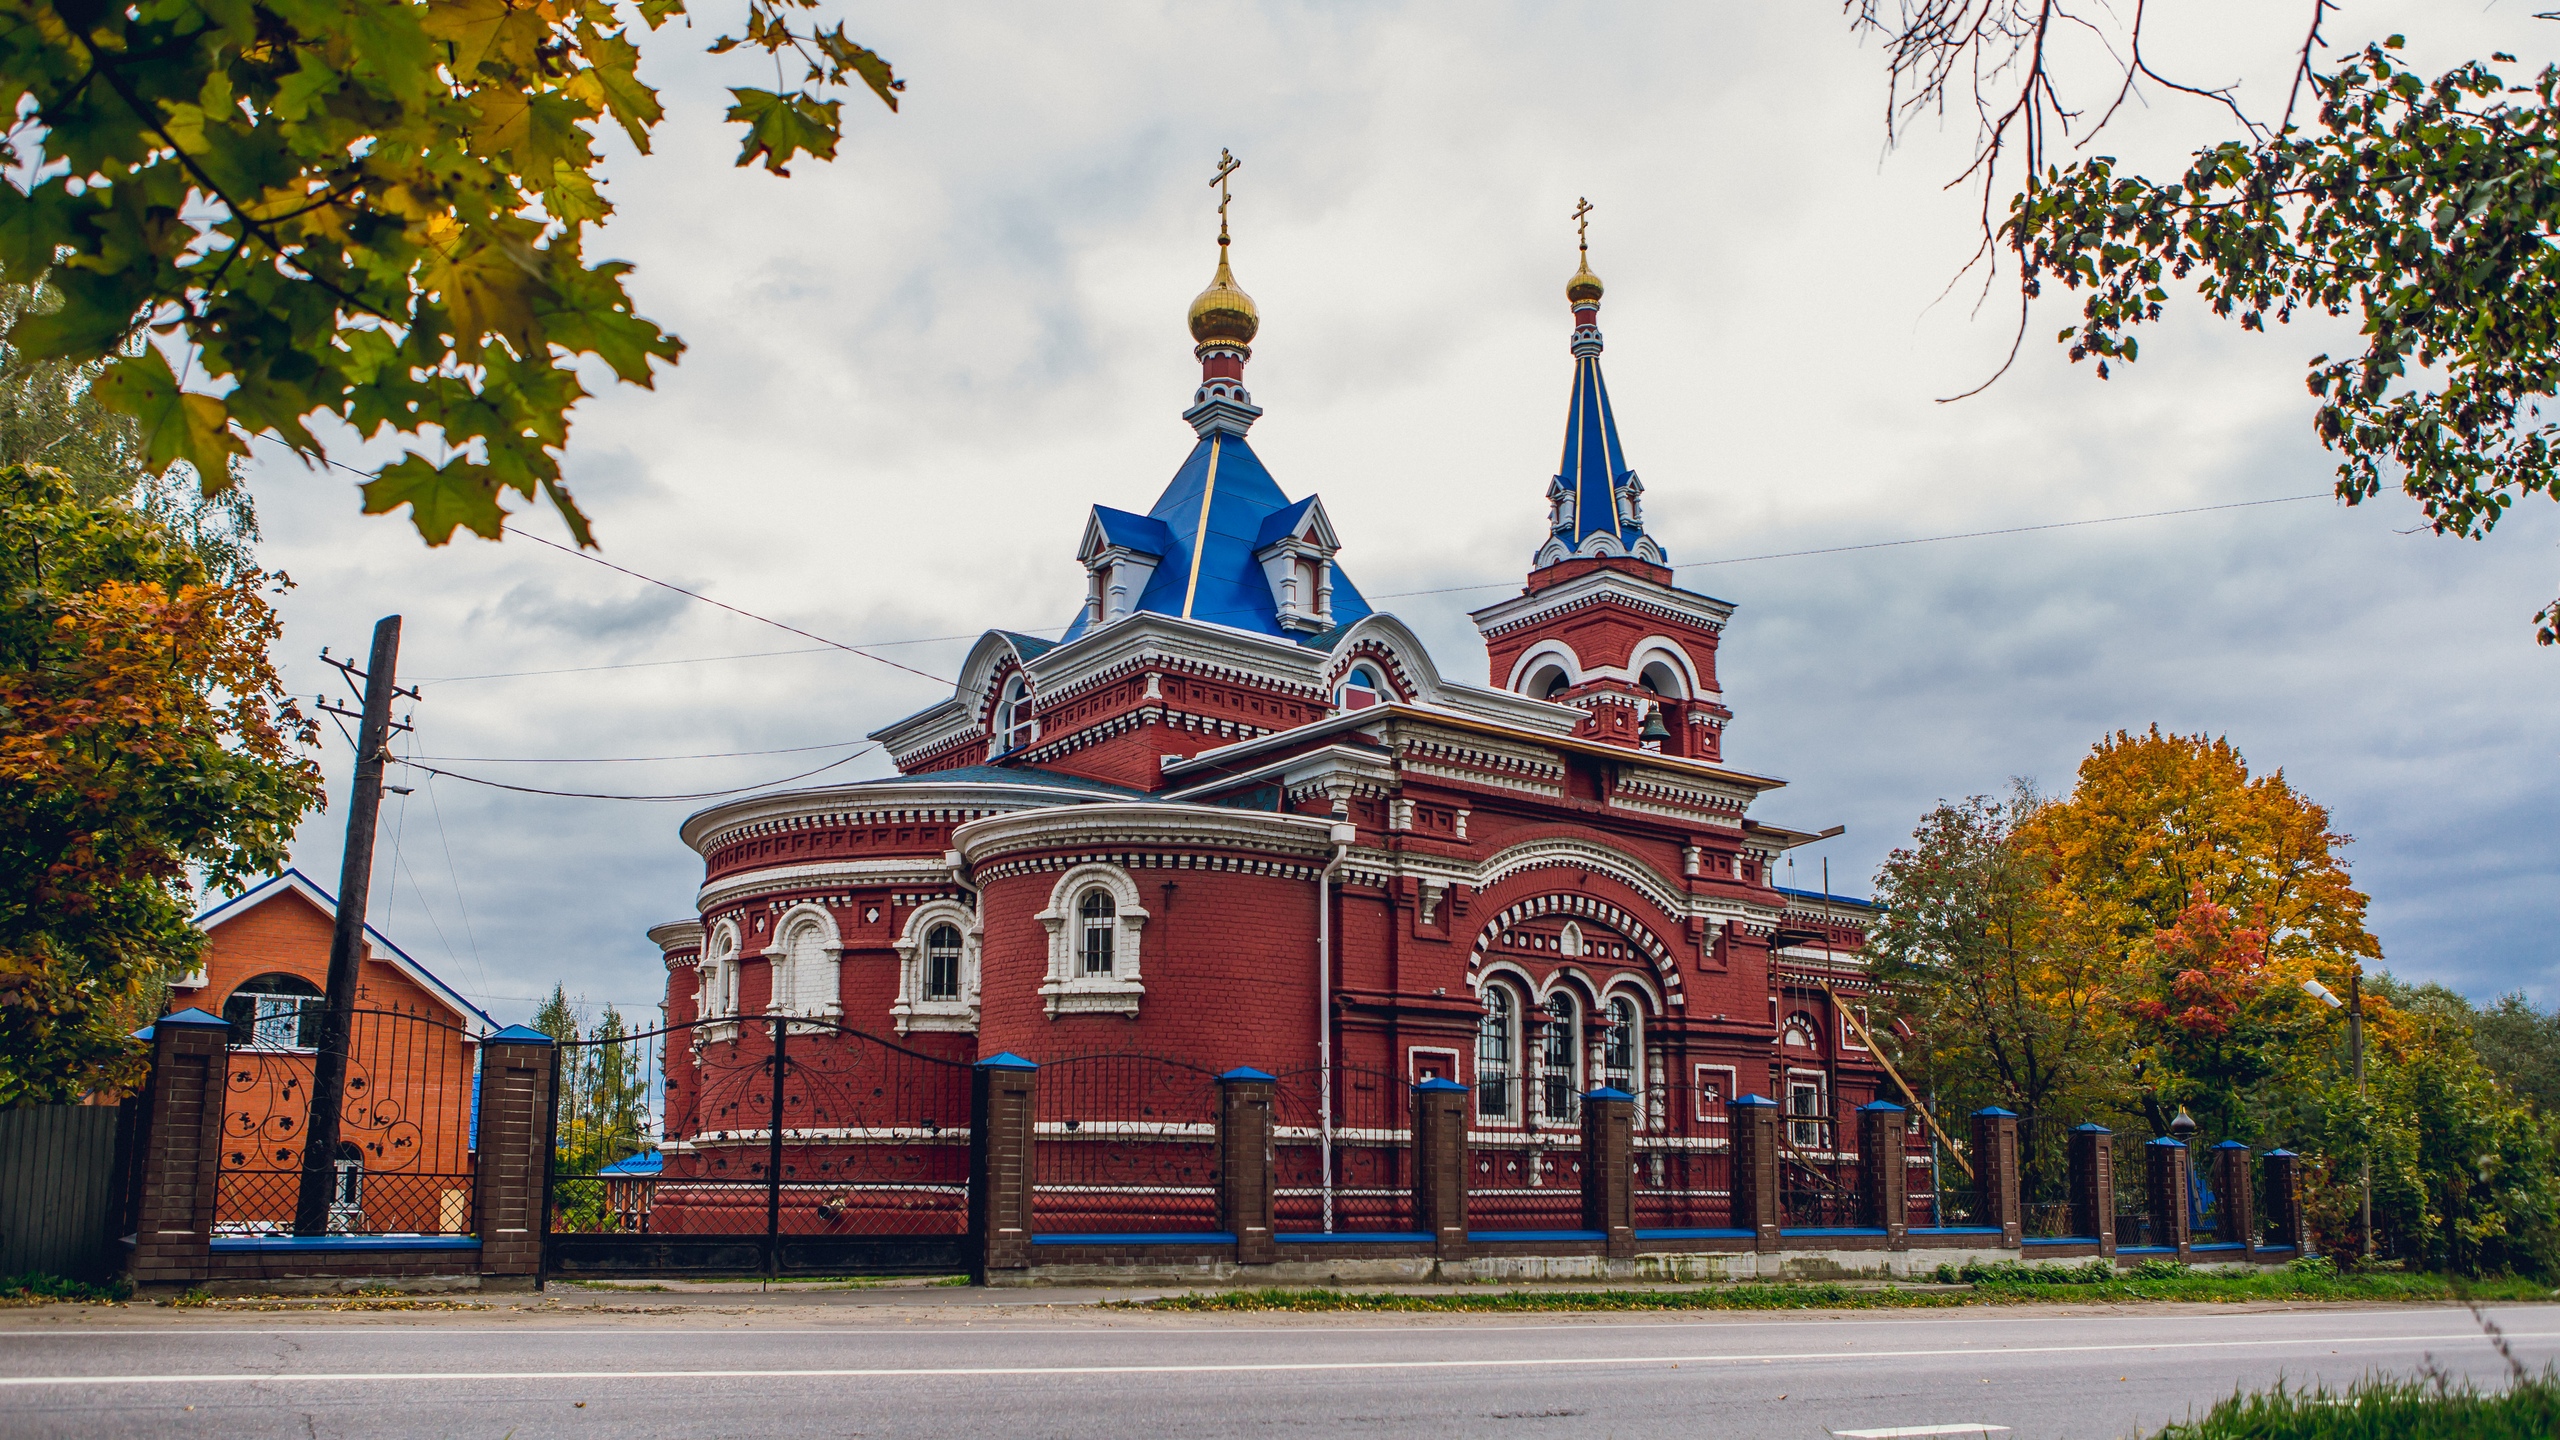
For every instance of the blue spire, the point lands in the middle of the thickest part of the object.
(1595, 503)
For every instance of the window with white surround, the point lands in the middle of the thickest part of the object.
(1094, 921)
(1361, 688)
(807, 962)
(715, 996)
(1015, 727)
(1715, 1091)
(938, 969)
(278, 1011)
(1560, 1058)
(1618, 1041)
(1496, 1046)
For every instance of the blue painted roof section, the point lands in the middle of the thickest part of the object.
(1028, 646)
(1283, 523)
(1004, 775)
(1233, 590)
(1144, 534)
(1594, 466)
(651, 1163)
(1851, 900)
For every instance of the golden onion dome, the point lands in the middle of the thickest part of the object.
(1224, 313)
(1584, 287)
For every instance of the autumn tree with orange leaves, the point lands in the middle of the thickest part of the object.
(145, 745)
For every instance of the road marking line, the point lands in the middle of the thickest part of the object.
(1898, 1432)
(965, 1371)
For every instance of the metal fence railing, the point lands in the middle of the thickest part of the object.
(1124, 1143)
(1683, 1183)
(1817, 1180)
(404, 1156)
(1370, 1183)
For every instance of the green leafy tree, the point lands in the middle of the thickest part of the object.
(2425, 209)
(369, 210)
(143, 736)
(2521, 1046)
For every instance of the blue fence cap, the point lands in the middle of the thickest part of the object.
(1608, 1092)
(1754, 1100)
(1245, 1072)
(521, 1035)
(2230, 1145)
(2165, 1140)
(2093, 1128)
(2289, 1155)
(1996, 1113)
(1881, 1105)
(1435, 1085)
(192, 1016)
(1006, 1060)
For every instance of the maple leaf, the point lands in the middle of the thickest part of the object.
(175, 425)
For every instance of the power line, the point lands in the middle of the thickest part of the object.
(621, 759)
(591, 795)
(725, 605)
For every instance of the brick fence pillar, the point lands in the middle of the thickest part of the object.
(1001, 1089)
(180, 1157)
(2235, 1199)
(1608, 1153)
(1995, 1173)
(2164, 1177)
(512, 1175)
(2093, 1185)
(1884, 1179)
(1753, 1119)
(2284, 1202)
(1244, 1164)
(1440, 1164)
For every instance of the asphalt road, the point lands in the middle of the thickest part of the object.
(977, 1371)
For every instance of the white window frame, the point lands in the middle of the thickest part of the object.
(1716, 1114)
(1068, 990)
(1823, 1115)
(1575, 1058)
(807, 977)
(715, 986)
(1016, 728)
(1375, 684)
(1517, 1093)
(914, 1009)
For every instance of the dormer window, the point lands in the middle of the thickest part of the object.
(1296, 548)
(1360, 689)
(1015, 727)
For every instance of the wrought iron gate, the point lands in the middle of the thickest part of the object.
(855, 1163)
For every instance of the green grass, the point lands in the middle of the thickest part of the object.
(2385, 1410)
(2005, 1284)
(37, 1289)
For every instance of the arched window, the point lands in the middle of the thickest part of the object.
(1014, 727)
(1659, 678)
(942, 964)
(1098, 919)
(1560, 1057)
(275, 1012)
(1618, 1046)
(1494, 1054)
(1360, 689)
(716, 988)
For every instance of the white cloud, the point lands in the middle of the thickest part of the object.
(911, 371)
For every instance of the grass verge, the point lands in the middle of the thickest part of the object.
(39, 1289)
(2007, 1284)
(2426, 1409)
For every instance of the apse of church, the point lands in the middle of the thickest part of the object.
(1235, 816)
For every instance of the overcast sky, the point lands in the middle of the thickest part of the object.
(911, 371)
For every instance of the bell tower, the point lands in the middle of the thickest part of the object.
(1600, 625)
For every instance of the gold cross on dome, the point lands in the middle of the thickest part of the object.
(1228, 164)
(1582, 222)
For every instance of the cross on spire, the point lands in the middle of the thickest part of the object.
(1582, 223)
(1228, 164)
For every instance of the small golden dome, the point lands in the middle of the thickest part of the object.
(1584, 287)
(1224, 313)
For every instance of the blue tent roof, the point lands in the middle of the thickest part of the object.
(1232, 589)
(650, 1163)
(1594, 471)
(1144, 534)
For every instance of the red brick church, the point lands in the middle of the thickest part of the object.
(1236, 817)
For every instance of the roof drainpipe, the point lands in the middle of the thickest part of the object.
(1344, 834)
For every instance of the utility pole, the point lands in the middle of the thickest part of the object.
(346, 942)
(2355, 1055)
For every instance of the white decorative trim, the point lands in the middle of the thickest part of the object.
(716, 983)
(913, 1010)
(1068, 990)
(807, 959)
